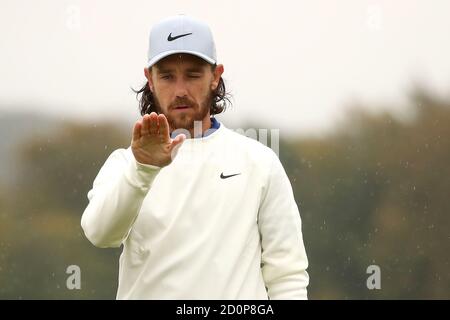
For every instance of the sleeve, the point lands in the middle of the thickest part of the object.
(284, 260)
(115, 199)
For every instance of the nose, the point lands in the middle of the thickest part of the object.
(180, 88)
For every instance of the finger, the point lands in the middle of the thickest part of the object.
(163, 127)
(145, 126)
(137, 131)
(153, 123)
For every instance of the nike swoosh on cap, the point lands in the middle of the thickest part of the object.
(170, 38)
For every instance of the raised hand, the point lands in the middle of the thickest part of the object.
(151, 142)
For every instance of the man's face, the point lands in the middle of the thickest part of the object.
(182, 87)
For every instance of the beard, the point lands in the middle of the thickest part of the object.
(184, 120)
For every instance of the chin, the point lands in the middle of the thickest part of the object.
(184, 123)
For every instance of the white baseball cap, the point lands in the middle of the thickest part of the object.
(181, 34)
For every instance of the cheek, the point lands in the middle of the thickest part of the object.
(203, 91)
(163, 94)
(200, 97)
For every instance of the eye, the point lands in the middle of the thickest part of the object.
(166, 77)
(194, 75)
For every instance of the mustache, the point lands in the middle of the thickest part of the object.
(182, 102)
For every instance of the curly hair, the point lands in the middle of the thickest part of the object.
(220, 98)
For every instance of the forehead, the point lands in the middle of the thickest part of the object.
(180, 59)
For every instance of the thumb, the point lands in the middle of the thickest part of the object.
(178, 140)
(176, 143)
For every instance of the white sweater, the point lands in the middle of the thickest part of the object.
(190, 234)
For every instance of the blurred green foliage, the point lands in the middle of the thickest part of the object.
(40, 216)
(374, 191)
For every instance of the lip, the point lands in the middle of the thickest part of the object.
(181, 108)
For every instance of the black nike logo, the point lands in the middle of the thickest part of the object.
(231, 175)
(170, 38)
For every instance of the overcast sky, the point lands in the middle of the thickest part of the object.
(292, 65)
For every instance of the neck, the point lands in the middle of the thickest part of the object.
(200, 127)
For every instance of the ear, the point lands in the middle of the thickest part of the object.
(148, 75)
(217, 74)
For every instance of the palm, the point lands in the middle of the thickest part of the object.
(151, 142)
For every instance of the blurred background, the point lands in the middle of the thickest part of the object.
(359, 89)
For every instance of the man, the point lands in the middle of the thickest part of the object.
(202, 212)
